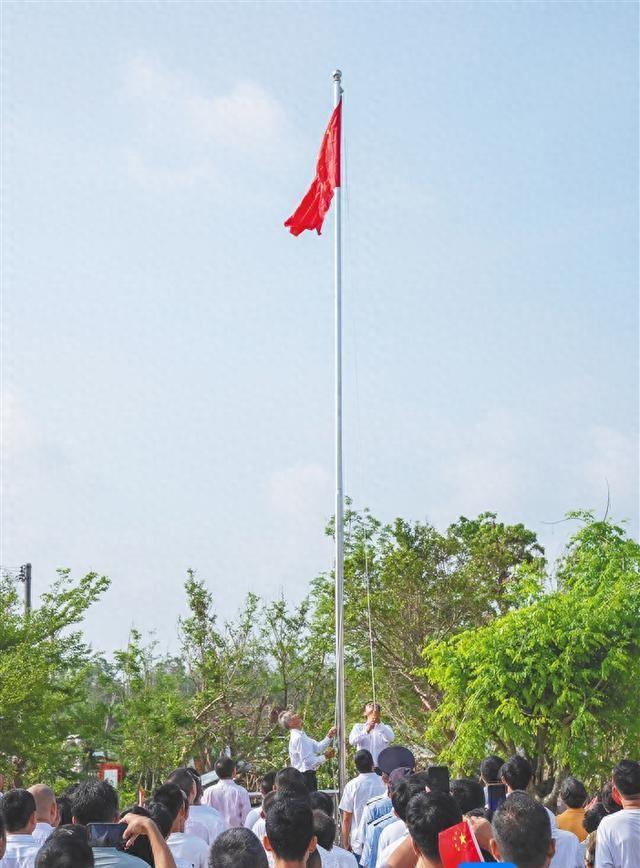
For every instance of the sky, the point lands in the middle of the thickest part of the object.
(167, 370)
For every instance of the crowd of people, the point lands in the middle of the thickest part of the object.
(390, 815)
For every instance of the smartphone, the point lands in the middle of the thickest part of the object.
(496, 794)
(106, 834)
(439, 778)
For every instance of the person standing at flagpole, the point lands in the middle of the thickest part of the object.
(305, 754)
(372, 735)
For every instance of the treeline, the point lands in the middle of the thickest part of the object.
(478, 647)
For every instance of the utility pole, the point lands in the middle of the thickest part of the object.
(25, 576)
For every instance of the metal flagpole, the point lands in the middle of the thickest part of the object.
(339, 535)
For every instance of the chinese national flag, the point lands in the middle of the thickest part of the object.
(458, 845)
(310, 212)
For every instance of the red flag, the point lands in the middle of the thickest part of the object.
(457, 845)
(310, 212)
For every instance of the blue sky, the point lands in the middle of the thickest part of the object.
(167, 370)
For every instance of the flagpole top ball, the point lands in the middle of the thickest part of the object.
(337, 75)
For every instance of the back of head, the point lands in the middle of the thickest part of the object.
(324, 828)
(18, 809)
(290, 781)
(94, 802)
(573, 793)
(268, 800)
(182, 778)
(427, 815)
(522, 831)
(64, 810)
(225, 767)
(363, 761)
(322, 802)
(172, 797)
(290, 828)
(609, 803)
(266, 782)
(196, 777)
(141, 846)
(66, 847)
(593, 816)
(468, 793)
(626, 777)
(237, 848)
(405, 789)
(516, 772)
(161, 816)
(490, 769)
(44, 798)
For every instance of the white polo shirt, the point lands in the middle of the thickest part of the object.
(41, 832)
(355, 796)
(189, 849)
(204, 822)
(618, 840)
(21, 851)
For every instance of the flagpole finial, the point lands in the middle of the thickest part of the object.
(337, 75)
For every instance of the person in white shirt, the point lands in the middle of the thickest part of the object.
(357, 793)
(189, 848)
(521, 832)
(19, 812)
(203, 821)
(46, 812)
(324, 828)
(289, 836)
(226, 796)
(238, 848)
(568, 850)
(266, 786)
(516, 774)
(187, 782)
(618, 835)
(305, 754)
(372, 735)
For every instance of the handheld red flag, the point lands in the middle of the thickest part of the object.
(458, 845)
(310, 212)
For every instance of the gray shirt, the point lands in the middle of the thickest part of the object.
(109, 857)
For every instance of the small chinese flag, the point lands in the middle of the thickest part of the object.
(458, 845)
(310, 212)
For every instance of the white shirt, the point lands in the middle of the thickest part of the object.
(355, 796)
(190, 849)
(568, 850)
(305, 753)
(393, 832)
(41, 832)
(21, 851)
(618, 840)
(230, 799)
(361, 832)
(204, 822)
(252, 817)
(380, 737)
(336, 857)
(385, 855)
(259, 828)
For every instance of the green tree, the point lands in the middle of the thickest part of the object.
(558, 678)
(43, 665)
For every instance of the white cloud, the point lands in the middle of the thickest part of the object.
(184, 135)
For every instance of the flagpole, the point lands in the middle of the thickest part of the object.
(339, 535)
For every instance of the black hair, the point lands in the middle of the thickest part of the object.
(172, 797)
(64, 810)
(517, 772)
(237, 848)
(592, 817)
(626, 777)
(468, 793)
(141, 846)
(290, 828)
(268, 800)
(291, 782)
(314, 860)
(224, 767)
(573, 793)
(66, 847)
(427, 815)
(161, 816)
(266, 782)
(490, 769)
(196, 777)
(3, 833)
(324, 828)
(322, 802)
(405, 789)
(182, 778)
(606, 796)
(363, 761)
(522, 830)
(18, 806)
(94, 802)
